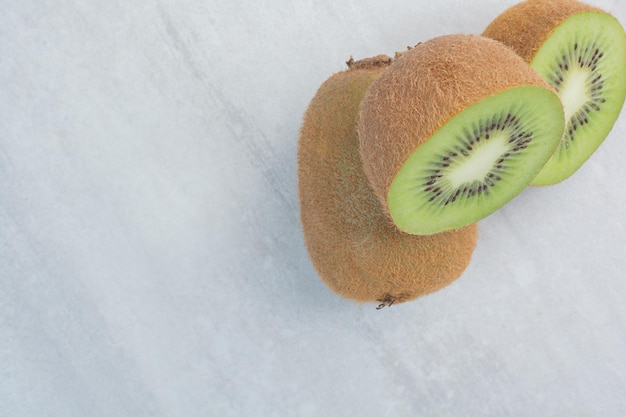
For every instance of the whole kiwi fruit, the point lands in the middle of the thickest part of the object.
(356, 249)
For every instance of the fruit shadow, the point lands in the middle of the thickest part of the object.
(285, 273)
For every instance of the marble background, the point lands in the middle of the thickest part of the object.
(151, 256)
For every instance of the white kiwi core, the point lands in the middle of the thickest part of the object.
(575, 92)
(481, 162)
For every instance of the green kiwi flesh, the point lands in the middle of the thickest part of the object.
(584, 59)
(479, 160)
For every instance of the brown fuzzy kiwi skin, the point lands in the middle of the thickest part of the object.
(422, 90)
(526, 26)
(355, 248)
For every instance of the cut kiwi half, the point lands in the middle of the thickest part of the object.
(581, 52)
(354, 246)
(453, 130)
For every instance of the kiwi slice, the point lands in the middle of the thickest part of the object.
(353, 244)
(453, 130)
(581, 52)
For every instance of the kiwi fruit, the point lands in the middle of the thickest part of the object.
(581, 52)
(353, 245)
(454, 129)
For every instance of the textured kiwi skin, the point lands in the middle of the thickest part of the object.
(526, 26)
(424, 89)
(353, 245)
